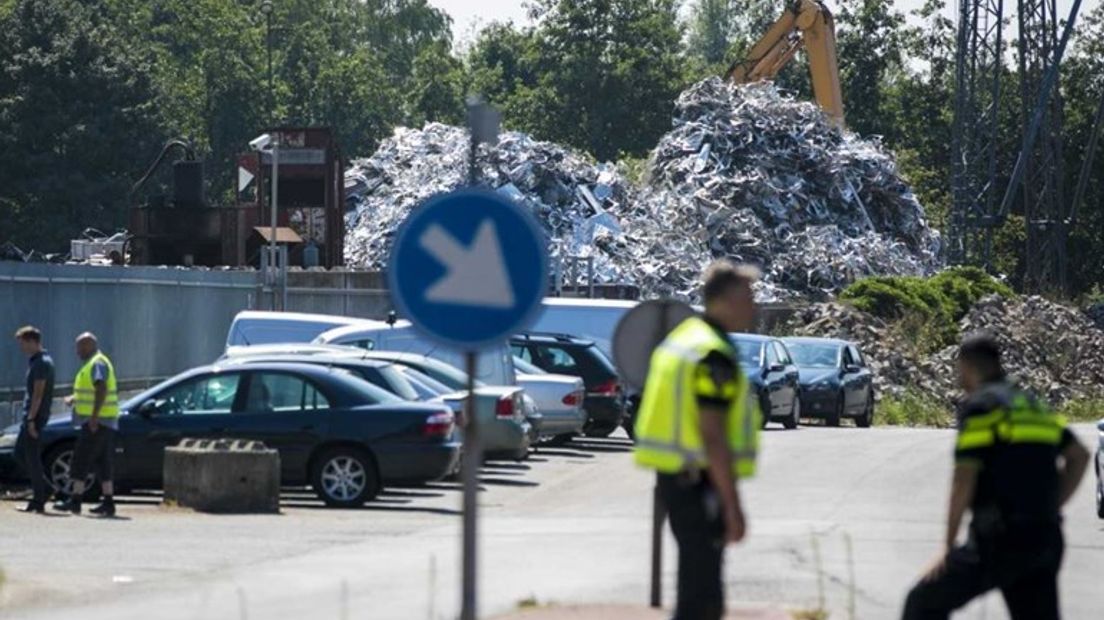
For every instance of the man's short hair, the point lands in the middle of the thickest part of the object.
(724, 274)
(28, 333)
(982, 352)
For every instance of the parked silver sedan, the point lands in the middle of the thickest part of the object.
(559, 399)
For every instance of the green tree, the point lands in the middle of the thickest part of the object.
(77, 120)
(870, 52)
(601, 75)
(437, 88)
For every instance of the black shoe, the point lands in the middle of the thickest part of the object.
(106, 509)
(69, 505)
(34, 507)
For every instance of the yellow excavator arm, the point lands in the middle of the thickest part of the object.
(808, 24)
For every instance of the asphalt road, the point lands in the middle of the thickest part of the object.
(569, 526)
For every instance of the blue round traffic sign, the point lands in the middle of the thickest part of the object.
(469, 269)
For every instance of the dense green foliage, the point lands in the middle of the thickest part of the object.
(90, 89)
(929, 308)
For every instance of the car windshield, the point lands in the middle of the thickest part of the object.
(397, 383)
(749, 352)
(812, 355)
(527, 368)
(420, 379)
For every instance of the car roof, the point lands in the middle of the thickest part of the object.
(314, 370)
(291, 348)
(575, 302)
(751, 337)
(552, 337)
(300, 316)
(810, 340)
(358, 329)
(323, 359)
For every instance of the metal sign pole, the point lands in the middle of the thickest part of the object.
(473, 457)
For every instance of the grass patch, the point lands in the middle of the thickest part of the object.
(530, 602)
(1083, 410)
(913, 409)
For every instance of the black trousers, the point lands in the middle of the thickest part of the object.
(94, 454)
(1024, 567)
(28, 451)
(697, 522)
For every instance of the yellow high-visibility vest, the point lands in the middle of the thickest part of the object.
(1022, 421)
(668, 425)
(84, 390)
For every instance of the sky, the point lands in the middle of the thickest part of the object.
(469, 15)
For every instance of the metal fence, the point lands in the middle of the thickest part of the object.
(153, 322)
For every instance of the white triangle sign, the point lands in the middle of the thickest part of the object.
(476, 275)
(245, 177)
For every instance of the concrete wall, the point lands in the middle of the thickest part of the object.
(153, 322)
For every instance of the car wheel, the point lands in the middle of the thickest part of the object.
(794, 418)
(345, 478)
(599, 432)
(561, 440)
(867, 418)
(1099, 499)
(833, 418)
(59, 464)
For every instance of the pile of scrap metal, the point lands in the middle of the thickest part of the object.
(747, 172)
(11, 252)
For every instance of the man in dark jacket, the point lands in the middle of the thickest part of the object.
(36, 412)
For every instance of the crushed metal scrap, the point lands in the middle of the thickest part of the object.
(747, 172)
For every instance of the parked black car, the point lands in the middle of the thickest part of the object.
(835, 381)
(334, 432)
(773, 377)
(605, 401)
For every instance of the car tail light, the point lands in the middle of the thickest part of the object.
(573, 399)
(504, 408)
(438, 425)
(607, 388)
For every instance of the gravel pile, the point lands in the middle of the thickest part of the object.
(1055, 350)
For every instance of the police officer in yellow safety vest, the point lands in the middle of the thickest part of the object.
(696, 429)
(1016, 465)
(95, 403)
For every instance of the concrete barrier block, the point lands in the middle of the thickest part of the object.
(223, 476)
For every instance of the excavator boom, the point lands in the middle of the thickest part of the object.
(808, 24)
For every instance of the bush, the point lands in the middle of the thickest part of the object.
(1082, 410)
(913, 409)
(938, 303)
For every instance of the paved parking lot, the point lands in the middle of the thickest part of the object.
(570, 526)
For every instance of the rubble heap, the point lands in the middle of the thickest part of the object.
(747, 173)
(1055, 350)
(750, 173)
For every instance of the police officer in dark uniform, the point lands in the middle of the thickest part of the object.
(1016, 465)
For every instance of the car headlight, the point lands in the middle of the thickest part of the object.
(8, 440)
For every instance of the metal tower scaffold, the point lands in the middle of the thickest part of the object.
(1046, 210)
(978, 67)
(1039, 166)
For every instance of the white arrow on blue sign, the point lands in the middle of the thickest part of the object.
(469, 269)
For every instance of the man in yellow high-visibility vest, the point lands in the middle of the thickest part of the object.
(95, 403)
(696, 429)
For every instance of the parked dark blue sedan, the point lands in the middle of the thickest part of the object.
(835, 381)
(772, 377)
(343, 436)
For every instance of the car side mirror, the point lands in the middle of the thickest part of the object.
(850, 369)
(150, 407)
(776, 368)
